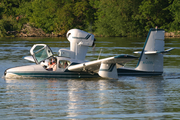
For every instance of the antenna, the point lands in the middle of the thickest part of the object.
(93, 48)
(99, 54)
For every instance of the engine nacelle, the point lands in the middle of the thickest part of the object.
(79, 42)
(80, 37)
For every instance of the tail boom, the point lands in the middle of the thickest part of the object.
(151, 57)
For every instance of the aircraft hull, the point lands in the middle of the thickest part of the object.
(26, 74)
(37, 71)
(134, 72)
(15, 73)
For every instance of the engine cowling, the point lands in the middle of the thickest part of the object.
(79, 42)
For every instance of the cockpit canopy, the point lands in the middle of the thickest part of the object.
(41, 52)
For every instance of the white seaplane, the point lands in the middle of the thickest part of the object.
(71, 63)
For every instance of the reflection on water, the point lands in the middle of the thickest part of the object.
(153, 94)
(125, 98)
(137, 97)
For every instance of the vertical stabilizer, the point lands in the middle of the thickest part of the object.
(151, 59)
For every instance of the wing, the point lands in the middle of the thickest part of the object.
(30, 58)
(93, 66)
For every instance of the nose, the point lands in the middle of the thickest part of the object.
(5, 73)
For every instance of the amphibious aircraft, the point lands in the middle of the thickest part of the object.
(71, 63)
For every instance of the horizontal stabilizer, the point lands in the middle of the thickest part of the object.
(137, 52)
(168, 50)
(147, 52)
(30, 58)
(154, 52)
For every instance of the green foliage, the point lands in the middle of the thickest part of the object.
(82, 13)
(2, 29)
(102, 17)
(154, 13)
(7, 24)
(57, 16)
(175, 10)
(64, 19)
(116, 18)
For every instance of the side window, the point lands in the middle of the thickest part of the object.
(63, 63)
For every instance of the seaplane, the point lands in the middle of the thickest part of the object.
(71, 63)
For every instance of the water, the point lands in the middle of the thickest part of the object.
(126, 98)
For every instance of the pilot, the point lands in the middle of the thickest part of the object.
(49, 68)
(66, 64)
(60, 64)
(54, 63)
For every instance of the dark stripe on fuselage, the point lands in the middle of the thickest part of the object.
(131, 72)
(51, 74)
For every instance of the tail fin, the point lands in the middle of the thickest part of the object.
(151, 58)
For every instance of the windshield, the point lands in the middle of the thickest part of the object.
(41, 52)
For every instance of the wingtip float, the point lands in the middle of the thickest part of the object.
(71, 63)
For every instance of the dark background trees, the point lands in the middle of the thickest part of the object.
(102, 17)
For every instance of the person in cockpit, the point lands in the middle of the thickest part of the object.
(52, 64)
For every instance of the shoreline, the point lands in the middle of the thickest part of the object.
(21, 34)
(29, 31)
(172, 34)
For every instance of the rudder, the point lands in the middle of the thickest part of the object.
(150, 59)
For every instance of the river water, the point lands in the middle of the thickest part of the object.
(153, 97)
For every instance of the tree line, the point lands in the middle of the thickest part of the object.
(101, 17)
